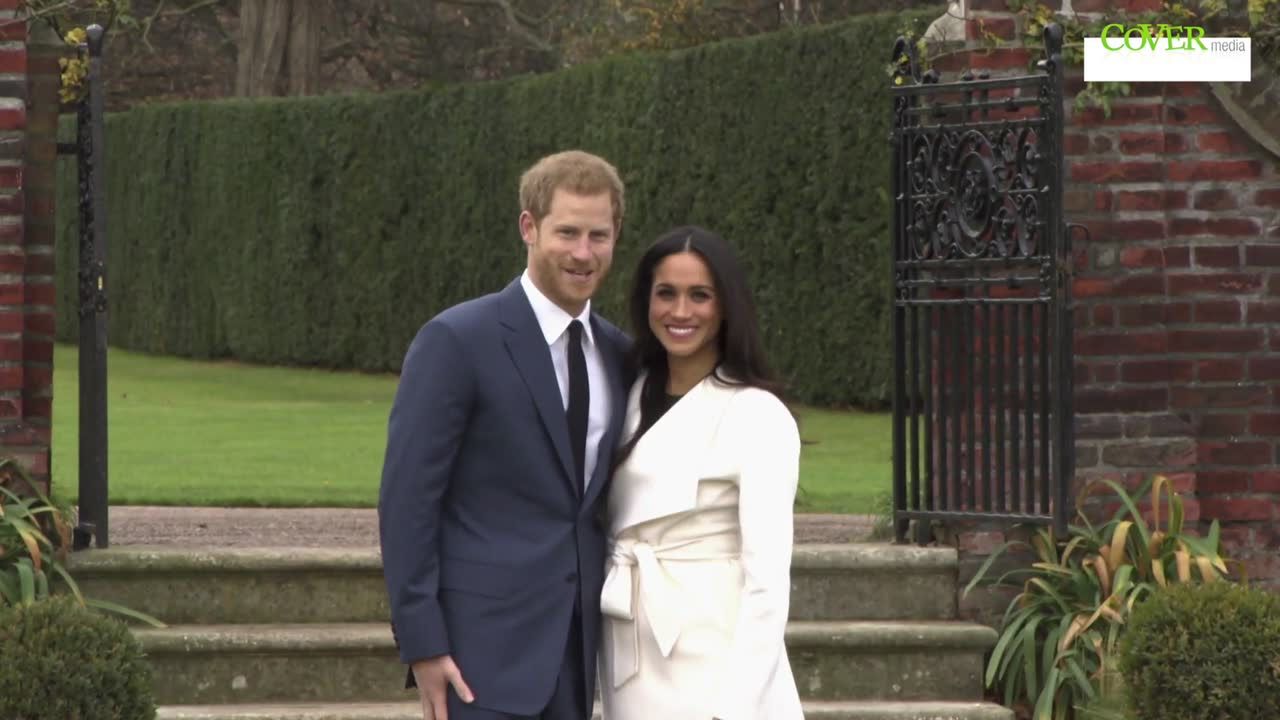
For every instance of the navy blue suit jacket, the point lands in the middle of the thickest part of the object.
(486, 540)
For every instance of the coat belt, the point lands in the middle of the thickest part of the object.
(665, 607)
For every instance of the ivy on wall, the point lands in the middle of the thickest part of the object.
(1260, 21)
(69, 20)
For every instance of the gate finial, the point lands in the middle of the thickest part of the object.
(1052, 42)
(1052, 36)
(95, 34)
(906, 63)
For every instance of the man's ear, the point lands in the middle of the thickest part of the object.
(528, 227)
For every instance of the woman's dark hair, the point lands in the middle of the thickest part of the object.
(741, 353)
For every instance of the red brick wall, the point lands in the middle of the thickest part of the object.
(1178, 292)
(1179, 298)
(28, 113)
(39, 188)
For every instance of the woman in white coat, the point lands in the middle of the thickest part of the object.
(698, 583)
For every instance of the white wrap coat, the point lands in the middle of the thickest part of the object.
(698, 583)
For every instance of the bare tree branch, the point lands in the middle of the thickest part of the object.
(149, 22)
(516, 21)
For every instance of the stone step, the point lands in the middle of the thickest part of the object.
(813, 710)
(349, 662)
(873, 581)
(302, 585)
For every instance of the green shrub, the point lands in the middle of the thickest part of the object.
(324, 231)
(35, 537)
(1059, 638)
(1110, 704)
(1208, 652)
(62, 661)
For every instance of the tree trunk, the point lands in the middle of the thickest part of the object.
(303, 59)
(279, 48)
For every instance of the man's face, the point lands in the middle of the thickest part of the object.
(571, 249)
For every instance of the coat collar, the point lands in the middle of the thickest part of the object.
(661, 475)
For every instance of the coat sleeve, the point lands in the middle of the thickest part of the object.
(430, 412)
(769, 451)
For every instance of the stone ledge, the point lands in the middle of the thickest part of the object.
(863, 636)
(813, 710)
(254, 639)
(265, 559)
(206, 528)
(905, 711)
(138, 559)
(873, 556)
(293, 711)
(878, 635)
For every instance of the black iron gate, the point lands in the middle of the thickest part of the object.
(88, 150)
(982, 265)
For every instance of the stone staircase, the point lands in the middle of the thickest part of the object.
(302, 634)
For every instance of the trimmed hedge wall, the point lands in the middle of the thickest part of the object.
(325, 231)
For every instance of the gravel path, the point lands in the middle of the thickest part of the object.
(341, 527)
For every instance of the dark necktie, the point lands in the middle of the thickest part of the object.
(579, 401)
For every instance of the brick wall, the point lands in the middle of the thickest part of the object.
(1178, 294)
(39, 188)
(1179, 303)
(13, 123)
(28, 112)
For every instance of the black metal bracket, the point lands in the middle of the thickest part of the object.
(82, 536)
(93, 291)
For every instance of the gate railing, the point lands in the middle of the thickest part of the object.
(88, 150)
(982, 266)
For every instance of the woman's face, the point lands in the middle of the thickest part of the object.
(684, 309)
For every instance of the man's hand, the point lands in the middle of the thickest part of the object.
(433, 677)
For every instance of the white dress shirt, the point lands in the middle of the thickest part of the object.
(554, 322)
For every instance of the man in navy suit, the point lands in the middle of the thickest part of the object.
(498, 452)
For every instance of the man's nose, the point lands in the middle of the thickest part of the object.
(581, 249)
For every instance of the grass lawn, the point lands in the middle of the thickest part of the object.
(221, 433)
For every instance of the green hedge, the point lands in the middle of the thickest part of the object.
(62, 661)
(1204, 652)
(325, 231)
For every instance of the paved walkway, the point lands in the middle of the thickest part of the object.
(339, 527)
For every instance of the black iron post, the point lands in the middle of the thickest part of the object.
(901, 56)
(1063, 432)
(93, 300)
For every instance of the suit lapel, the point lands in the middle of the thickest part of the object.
(532, 358)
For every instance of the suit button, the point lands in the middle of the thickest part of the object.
(571, 577)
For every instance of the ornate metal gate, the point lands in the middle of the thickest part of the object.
(982, 265)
